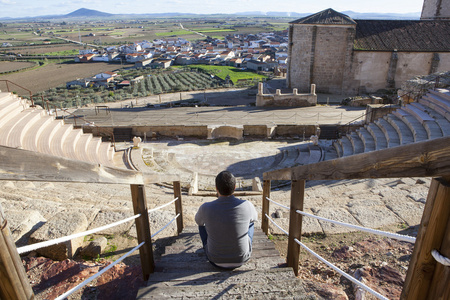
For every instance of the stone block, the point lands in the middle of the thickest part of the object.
(95, 248)
(62, 224)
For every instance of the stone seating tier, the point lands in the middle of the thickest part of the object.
(426, 119)
(30, 128)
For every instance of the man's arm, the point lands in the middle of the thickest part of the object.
(254, 213)
(199, 219)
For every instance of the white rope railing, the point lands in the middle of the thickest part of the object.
(170, 222)
(85, 282)
(279, 204)
(396, 236)
(274, 223)
(73, 236)
(349, 277)
(164, 205)
(440, 258)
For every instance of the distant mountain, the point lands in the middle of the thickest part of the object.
(384, 16)
(87, 13)
(84, 13)
(351, 14)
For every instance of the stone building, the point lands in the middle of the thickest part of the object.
(345, 56)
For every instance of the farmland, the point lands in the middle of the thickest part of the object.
(234, 74)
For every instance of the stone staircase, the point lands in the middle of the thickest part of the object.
(31, 128)
(183, 272)
(429, 118)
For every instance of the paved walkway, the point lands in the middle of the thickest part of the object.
(216, 115)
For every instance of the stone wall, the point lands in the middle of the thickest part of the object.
(377, 111)
(214, 132)
(371, 70)
(435, 10)
(321, 55)
(292, 100)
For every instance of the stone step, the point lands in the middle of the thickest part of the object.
(315, 154)
(391, 134)
(69, 145)
(435, 103)
(18, 132)
(103, 153)
(441, 97)
(439, 118)
(92, 150)
(358, 145)
(46, 137)
(7, 127)
(367, 139)
(346, 145)
(419, 114)
(286, 289)
(32, 136)
(404, 132)
(58, 140)
(82, 145)
(338, 149)
(378, 136)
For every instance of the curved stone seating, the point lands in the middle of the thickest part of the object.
(32, 129)
(391, 134)
(404, 132)
(17, 133)
(418, 121)
(358, 145)
(346, 146)
(32, 135)
(367, 139)
(378, 136)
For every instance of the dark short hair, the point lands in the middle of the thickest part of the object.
(225, 183)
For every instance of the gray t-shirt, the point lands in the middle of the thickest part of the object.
(226, 221)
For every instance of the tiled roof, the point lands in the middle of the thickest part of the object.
(327, 16)
(403, 35)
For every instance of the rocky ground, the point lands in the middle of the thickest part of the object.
(381, 262)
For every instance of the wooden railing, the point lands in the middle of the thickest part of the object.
(9, 83)
(425, 279)
(23, 165)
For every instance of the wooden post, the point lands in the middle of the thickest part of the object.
(143, 229)
(265, 207)
(13, 279)
(420, 282)
(295, 223)
(178, 205)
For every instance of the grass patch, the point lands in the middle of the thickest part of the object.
(214, 30)
(178, 32)
(234, 73)
(62, 53)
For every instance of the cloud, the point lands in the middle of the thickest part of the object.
(7, 2)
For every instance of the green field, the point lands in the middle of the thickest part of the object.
(63, 53)
(169, 33)
(215, 30)
(234, 73)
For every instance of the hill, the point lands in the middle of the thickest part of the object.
(87, 13)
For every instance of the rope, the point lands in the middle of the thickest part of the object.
(165, 226)
(73, 236)
(73, 290)
(164, 205)
(270, 219)
(396, 236)
(283, 206)
(352, 279)
(440, 258)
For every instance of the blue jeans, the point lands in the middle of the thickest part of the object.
(204, 236)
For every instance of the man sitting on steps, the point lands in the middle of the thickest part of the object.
(226, 225)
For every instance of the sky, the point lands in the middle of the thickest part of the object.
(32, 8)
